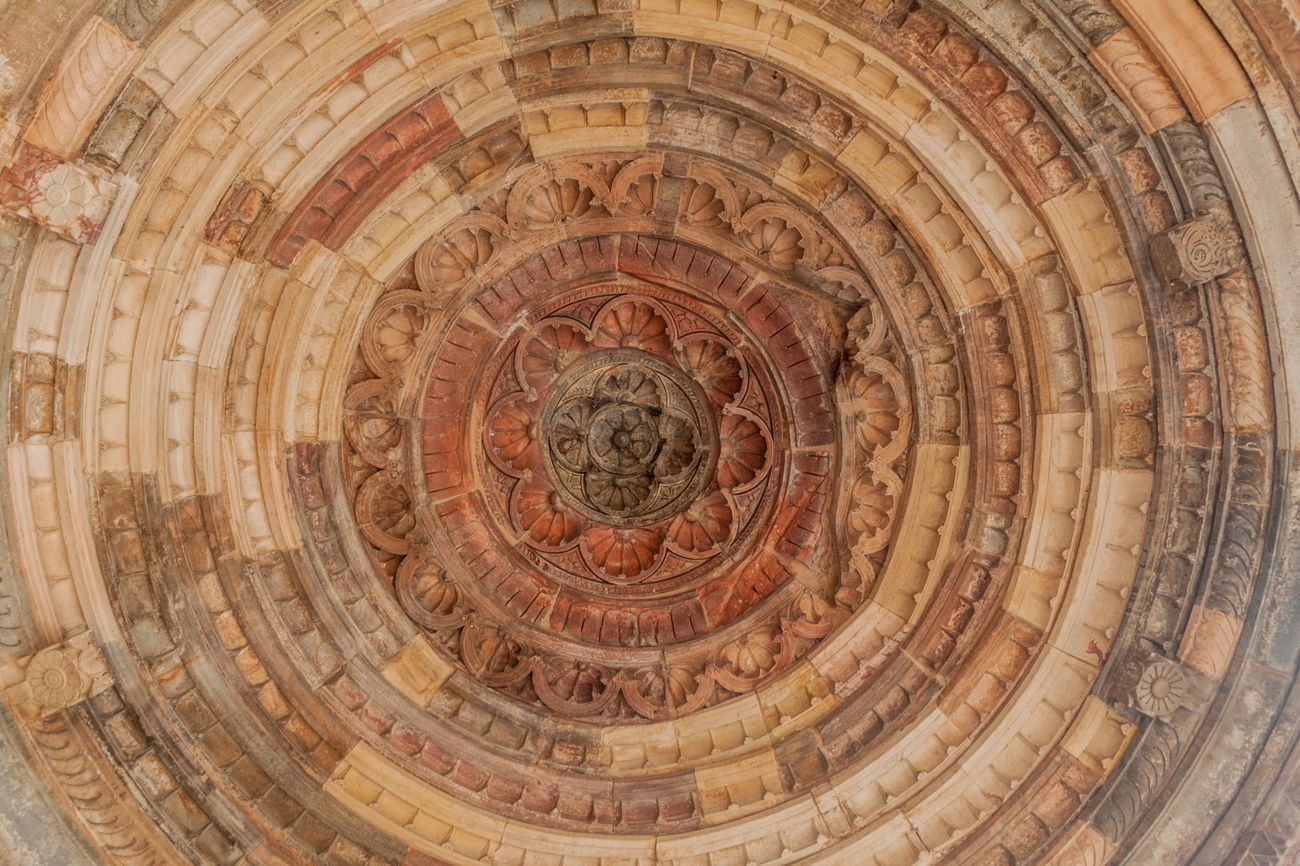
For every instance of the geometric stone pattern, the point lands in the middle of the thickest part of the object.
(694, 432)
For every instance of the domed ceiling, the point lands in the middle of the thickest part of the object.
(631, 432)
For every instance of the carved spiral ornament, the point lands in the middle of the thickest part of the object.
(649, 433)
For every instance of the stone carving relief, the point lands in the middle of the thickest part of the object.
(630, 440)
(632, 459)
(60, 676)
(1160, 689)
(64, 197)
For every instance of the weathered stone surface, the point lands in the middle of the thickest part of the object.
(645, 432)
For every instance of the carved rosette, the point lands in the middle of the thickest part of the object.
(60, 676)
(1160, 689)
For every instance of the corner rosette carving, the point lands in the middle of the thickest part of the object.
(60, 676)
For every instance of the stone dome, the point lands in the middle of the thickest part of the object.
(650, 432)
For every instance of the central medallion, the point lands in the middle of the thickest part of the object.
(625, 448)
(628, 438)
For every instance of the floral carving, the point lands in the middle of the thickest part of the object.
(62, 196)
(54, 679)
(627, 439)
(62, 675)
(1161, 689)
(714, 367)
(543, 514)
(704, 526)
(623, 554)
(742, 453)
(609, 466)
(609, 442)
(633, 325)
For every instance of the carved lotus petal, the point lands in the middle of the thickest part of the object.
(425, 592)
(446, 262)
(640, 197)
(61, 195)
(742, 454)
(678, 449)
(702, 206)
(512, 434)
(672, 687)
(872, 504)
(623, 438)
(623, 553)
(578, 682)
(540, 511)
(568, 436)
(633, 325)
(490, 651)
(629, 384)
(396, 334)
(1160, 689)
(777, 240)
(715, 369)
(384, 512)
(370, 422)
(547, 355)
(703, 526)
(879, 407)
(559, 200)
(616, 493)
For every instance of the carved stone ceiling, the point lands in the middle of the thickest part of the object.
(632, 432)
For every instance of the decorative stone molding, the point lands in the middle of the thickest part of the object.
(1135, 74)
(86, 81)
(1209, 641)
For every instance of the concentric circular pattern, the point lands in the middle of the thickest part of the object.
(700, 433)
(623, 504)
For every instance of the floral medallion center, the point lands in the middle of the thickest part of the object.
(628, 438)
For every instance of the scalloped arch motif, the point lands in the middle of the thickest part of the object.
(650, 432)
